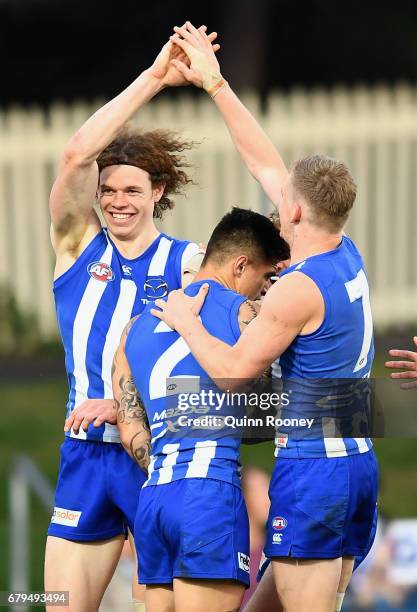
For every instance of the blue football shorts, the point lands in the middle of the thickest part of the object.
(358, 558)
(322, 508)
(97, 491)
(192, 528)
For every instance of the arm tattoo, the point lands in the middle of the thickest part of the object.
(253, 313)
(131, 409)
(140, 451)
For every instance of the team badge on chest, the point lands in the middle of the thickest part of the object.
(100, 271)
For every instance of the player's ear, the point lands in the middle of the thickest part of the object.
(296, 213)
(282, 265)
(240, 264)
(158, 192)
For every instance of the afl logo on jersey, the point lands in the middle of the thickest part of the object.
(279, 523)
(155, 288)
(100, 271)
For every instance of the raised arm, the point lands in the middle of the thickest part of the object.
(290, 306)
(74, 221)
(256, 149)
(73, 193)
(131, 415)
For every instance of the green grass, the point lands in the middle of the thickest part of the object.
(32, 424)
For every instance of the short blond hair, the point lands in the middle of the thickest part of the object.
(327, 186)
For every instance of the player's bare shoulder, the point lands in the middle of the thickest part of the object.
(247, 312)
(296, 300)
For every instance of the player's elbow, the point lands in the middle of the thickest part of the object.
(76, 154)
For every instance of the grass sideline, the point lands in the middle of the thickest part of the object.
(32, 424)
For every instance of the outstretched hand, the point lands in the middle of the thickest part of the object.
(164, 67)
(202, 68)
(179, 308)
(409, 367)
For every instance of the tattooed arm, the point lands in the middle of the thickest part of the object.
(247, 312)
(131, 414)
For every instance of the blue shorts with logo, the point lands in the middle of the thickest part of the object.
(97, 492)
(358, 558)
(322, 508)
(192, 528)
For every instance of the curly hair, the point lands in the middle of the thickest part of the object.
(158, 153)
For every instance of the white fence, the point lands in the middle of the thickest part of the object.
(375, 131)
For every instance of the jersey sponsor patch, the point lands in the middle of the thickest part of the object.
(63, 516)
(244, 562)
(279, 522)
(100, 271)
(155, 288)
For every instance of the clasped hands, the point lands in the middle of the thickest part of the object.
(190, 57)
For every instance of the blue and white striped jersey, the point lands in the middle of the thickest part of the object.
(96, 298)
(171, 384)
(320, 369)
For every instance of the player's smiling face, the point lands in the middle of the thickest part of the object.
(127, 200)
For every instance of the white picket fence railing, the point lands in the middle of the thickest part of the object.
(374, 131)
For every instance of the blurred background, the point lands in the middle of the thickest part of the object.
(333, 78)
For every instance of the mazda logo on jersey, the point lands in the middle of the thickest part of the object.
(155, 288)
(100, 271)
